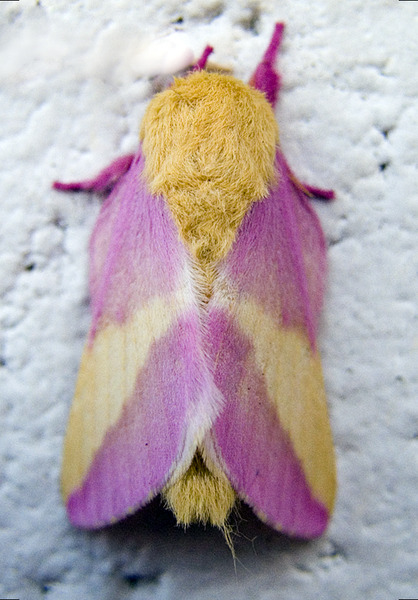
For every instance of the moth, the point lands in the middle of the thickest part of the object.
(201, 378)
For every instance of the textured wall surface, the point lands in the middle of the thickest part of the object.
(75, 78)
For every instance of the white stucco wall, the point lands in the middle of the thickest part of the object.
(74, 83)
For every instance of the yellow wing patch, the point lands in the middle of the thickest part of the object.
(294, 380)
(107, 376)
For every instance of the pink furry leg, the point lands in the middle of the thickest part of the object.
(319, 192)
(265, 78)
(104, 181)
(310, 190)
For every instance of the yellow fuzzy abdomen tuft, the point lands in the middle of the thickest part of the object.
(200, 495)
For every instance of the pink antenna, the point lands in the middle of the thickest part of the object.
(201, 63)
(265, 78)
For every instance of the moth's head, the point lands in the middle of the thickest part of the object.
(209, 127)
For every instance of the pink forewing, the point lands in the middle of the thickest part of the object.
(277, 261)
(279, 256)
(256, 452)
(141, 450)
(135, 250)
(137, 259)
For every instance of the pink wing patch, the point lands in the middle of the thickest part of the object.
(279, 256)
(257, 452)
(126, 456)
(135, 251)
(262, 326)
(141, 450)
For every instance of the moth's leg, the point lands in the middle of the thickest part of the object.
(104, 181)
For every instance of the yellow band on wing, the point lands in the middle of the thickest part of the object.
(108, 373)
(294, 381)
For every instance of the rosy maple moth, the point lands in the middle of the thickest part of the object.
(201, 378)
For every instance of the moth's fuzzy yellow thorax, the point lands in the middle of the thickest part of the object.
(209, 143)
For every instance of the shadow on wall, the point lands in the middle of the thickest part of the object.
(153, 531)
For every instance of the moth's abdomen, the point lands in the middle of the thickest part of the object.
(209, 143)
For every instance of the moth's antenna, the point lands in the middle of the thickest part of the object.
(265, 78)
(201, 63)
